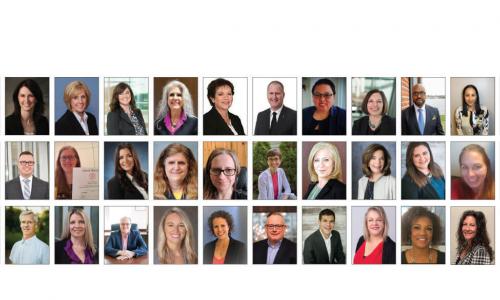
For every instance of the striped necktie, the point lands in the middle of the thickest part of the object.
(26, 189)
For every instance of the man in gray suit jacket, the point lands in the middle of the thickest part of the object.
(26, 186)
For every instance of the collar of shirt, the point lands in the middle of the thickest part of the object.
(328, 238)
(416, 111)
(29, 241)
(80, 118)
(23, 178)
(130, 177)
(275, 245)
(278, 112)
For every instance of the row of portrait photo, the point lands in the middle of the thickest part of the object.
(226, 237)
(225, 173)
(173, 106)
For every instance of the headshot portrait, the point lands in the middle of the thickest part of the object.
(27, 235)
(423, 166)
(323, 106)
(324, 232)
(77, 105)
(125, 171)
(176, 235)
(225, 173)
(126, 105)
(76, 170)
(76, 235)
(278, 114)
(275, 170)
(472, 105)
(27, 106)
(27, 170)
(373, 171)
(373, 105)
(423, 234)
(472, 170)
(373, 234)
(222, 93)
(473, 235)
(176, 106)
(176, 171)
(126, 235)
(225, 235)
(423, 104)
(325, 176)
(274, 235)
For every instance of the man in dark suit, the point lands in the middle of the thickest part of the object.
(324, 245)
(125, 243)
(276, 249)
(26, 186)
(420, 119)
(279, 119)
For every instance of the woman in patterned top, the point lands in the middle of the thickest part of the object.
(124, 118)
(471, 117)
(473, 241)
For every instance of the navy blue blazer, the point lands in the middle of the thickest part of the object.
(236, 252)
(337, 119)
(409, 123)
(135, 243)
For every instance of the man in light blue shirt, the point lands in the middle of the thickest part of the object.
(29, 250)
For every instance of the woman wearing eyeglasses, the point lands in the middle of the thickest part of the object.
(67, 160)
(221, 171)
(273, 184)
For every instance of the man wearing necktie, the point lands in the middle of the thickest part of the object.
(419, 118)
(26, 186)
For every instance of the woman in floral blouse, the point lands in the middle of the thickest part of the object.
(471, 117)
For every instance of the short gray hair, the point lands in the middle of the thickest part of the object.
(29, 213)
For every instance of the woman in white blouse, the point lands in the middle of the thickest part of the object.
(377, 184)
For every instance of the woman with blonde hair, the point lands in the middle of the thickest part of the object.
(67, 160)
(176, 240)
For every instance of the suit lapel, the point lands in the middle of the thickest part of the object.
(413, 122)
(428, 120)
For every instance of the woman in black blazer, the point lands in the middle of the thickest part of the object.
(219, 121)
(77, 99)
(224, 249)
(124, 118)
(377, 122)
(129, 182)
(27, 118)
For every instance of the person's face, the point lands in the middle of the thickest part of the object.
(323, 97)
(421, 158)
(470, 96)
(323, 164)
(375, 224)
(375, 105)
(326, 224)
(473, 169)
(125, 97)
(223, 98)
(77, 226)
(275, 228)
(175, 229)
(222, 182)
(26, 99)
(126, 160)
(274, 162)
(220, 228)
(174, 99)
(469, 228)
(275, 96)
(125, 225)
(68, 160)
(79, 102)
(25, 165)
(418, 95)
(377, 162)
(176, 167)
(421, 232)
(28, 226)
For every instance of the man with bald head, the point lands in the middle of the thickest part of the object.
(125, 243)
(419, 118)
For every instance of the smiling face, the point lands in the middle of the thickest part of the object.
(323, 97)
(77, 226)
(323, 164)
(222, 182)
(125, 97)
(275, 96)
(175, 229)
(375, 224)
(223, 98)
(125, 225)
(470, 97)
(28, 226)
(174, 99)
(421, 232)
(473, 169)
(326, 224)
(78, 102)
(419, 95)
(421, 158)
(375, 105)
(68, 160)
(274, 163)
(377, 162)
(126, 160)
(469, 228)
(26, 99)
(220, 228)
(176, 168)
(275, 228)
(25, 165)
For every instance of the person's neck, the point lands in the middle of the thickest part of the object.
(225, 195)
(273, 170)
(321, 114)
(81, 114)
(223, 240)
(26, 115)
(124, 234)
(273, 243)
(69, 177)
(424, 171)
(471, 108)
(125, 108)
(174, 247)
(375, 119)
(224, 114)
(421, 254)
(375, 239)
(175, 114)
(27, 237)
(25, 176)
(176, 186)
(78, 242)
(322, 182)
(478, 191)
(375, 177)
(325, 235)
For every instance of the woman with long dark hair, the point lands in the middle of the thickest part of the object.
(129, 182)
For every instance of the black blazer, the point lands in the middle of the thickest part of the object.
(388, 251)
(387, 126)
(62, 257)
(39, 189)
(116, 190)
(118, 122)
(410, 190)
(190, 127)
(337, 119)
(236, 252)
(287, 253)
(69, 125)
(287, 122)
(315, 249)
(213, 124)
(333, 189)
(409, 123)
(14, 126)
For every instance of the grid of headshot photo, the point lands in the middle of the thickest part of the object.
(248, 171)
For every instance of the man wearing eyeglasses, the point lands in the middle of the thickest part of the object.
(276, 249)
(420, 118)
(29, 250)
(26, 186)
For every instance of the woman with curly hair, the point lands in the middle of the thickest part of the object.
(473, 241)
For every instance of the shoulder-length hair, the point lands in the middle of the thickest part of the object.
(161, 184)
(62, 186)
(334, 155)
(214, 85)
(139, 175)
(488, 191)
(481, 237)
(416, 176)
(381, 212)
(364, 105)
(367, 156)
(88, 237)
(209, 190)
(117, 90)
(165, 255)
(163, 108)
(477, 104)
(411, 215)
(35, 89)
(72, 89)
(224, 215)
